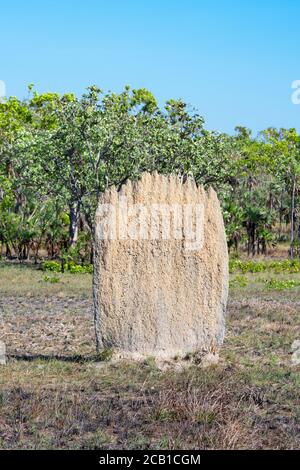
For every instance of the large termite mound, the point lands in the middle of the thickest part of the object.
(161, 269)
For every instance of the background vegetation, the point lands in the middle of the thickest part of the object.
(58, 153)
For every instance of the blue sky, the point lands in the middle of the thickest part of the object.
(232, 60)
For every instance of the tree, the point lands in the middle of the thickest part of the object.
(284, 146)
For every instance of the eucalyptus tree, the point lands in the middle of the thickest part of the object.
(14, 117)
(284, 148)
(251, 204)
(92, 143)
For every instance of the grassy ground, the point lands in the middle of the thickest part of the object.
(54, 394)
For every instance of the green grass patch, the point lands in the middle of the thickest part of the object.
(70, 267)
(282, 284)
(276, 266)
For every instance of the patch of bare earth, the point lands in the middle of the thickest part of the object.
(56, 325)
(54, 394)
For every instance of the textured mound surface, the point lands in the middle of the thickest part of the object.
(161, 269)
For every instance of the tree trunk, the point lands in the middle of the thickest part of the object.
(280, 214)
(8, 251)
(74, 223)
(251, 238)
(292, 249)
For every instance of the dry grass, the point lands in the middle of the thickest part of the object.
(53, 394)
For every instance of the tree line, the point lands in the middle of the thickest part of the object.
(58, 153)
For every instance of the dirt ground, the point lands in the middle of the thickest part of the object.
(55, 393)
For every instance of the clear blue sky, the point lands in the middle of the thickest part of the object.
(232, 60)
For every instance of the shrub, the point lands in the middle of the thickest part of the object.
(282, 284)
(289, 266)
(53, 279)
(78, 268)
(53, 266)
(70, 267)
(238, 281)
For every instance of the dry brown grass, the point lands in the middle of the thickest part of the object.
(53, 394)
